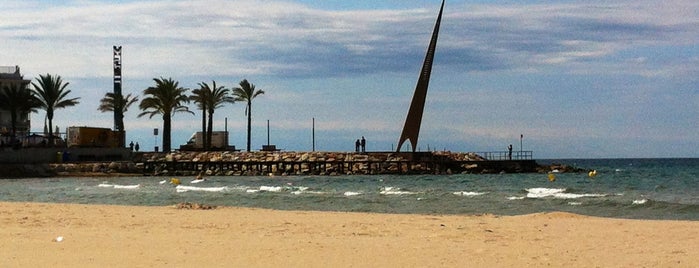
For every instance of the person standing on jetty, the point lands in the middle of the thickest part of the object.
(356, 146)
(509, 152)
(363, 145)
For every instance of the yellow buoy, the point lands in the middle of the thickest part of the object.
(552, 177)
(592, 173)
(175, 181)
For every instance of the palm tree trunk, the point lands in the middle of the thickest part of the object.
(249, 121)
(211, 127)
(50, 143)
(167, 124)
(205, 137)
(120, 126)
(13, 122)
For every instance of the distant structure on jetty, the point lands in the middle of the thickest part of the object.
(118, 111)
(10, 76)
(411, 129)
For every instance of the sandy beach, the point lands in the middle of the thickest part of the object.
(70, 235)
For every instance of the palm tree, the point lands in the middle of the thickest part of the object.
(210, 98)
(165, 98)
(17, 99)
(217, 97)
(117, 102)
(200, 96)
(51, 93)
(246, 92)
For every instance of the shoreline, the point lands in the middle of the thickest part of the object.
(127, 236)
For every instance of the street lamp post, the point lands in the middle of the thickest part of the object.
(521, 149)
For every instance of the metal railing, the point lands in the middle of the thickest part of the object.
(507, 155)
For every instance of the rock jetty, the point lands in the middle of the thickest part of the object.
(294, 163)
(315, 163)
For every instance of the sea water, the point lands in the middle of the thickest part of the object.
(622, 188)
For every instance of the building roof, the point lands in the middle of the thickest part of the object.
(11, 73)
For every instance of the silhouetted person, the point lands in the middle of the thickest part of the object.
(131, 146)
(363, 145)
(509, 152)
(137, 147)
(356, 146)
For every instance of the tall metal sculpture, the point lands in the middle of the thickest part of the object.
(411, 129)
(118, 111)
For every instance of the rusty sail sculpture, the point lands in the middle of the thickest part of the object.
(411, 129)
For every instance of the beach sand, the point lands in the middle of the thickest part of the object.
(127, 236)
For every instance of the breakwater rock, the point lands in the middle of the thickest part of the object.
(323, 163)
(95, 168)
(294, 163)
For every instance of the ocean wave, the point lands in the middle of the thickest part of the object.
(464, 193)
(639, 202)
(304, 190)
(394, 191)
(184, 188)
(294, 190)
(117, 186)
(556, 193)
(271, 188)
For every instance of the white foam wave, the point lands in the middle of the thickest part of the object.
(515, 197)
(271, 188)
(394, 191)
(117, 186)
(574, 203)
(184, 188)
(303, 190)
(348, 193)
(640, 202)
(556, 193)
(464, 193)
(543, 192)
(197, 181)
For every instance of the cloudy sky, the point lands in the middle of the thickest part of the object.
(578, 79)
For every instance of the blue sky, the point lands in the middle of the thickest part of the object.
(579, 79)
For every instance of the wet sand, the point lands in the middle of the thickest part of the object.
(127, 236)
